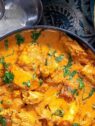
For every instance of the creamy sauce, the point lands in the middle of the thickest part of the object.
(46, 79)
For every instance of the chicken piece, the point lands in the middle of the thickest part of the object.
(32, 97)
(56, 111)
(16, 94)
(17, 104)
(75, 50)
(73, 109)
(48, 68)
(89, 72)
(24, 79)
(24, 118)
(31, 57)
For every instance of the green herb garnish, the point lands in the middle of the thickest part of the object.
(6, 44)
(34, 76)
(8, 77)
(20, 39)
(3, 121)
(1, 102)
(76, 124)
(72, 74)
(69, 64)
(35, 35)
(40, 82)
(59, 113)
(81, 83)
(2, 61)
(66, 72)
(59, 58)
(46, 62)
(92, 91)
(67, 67)
(51, 52)
(74, 92)
(1, 109)
(28, 84)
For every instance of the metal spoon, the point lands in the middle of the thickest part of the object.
(19, 14)
(2, 9)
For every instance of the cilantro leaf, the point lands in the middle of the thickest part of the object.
(76, 124)
(2, 61)
(92, 91)
(66, 72)
(28, 84)
(3, 121)
(69, 64)
(52, 52)
(72, 74)
(6, 44)
(59, 58)
(35, 35)
(8, 77)
(59, 113)
(67, 67)
(81, 83)
(40, 82)
(74, 92)
(20, 39)
(1, 102)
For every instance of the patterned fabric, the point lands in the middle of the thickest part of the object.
(74, 15)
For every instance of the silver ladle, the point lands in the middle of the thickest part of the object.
(16, 14)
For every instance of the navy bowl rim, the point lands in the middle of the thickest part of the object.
(76, 37)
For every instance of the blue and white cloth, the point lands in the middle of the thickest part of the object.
(74, 15)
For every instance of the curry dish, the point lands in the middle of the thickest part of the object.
(46, 79)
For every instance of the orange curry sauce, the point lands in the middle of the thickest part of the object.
(46, 79)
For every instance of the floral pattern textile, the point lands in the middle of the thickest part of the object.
(74, 15)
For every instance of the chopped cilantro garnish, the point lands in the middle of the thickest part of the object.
(76, 124)
(92, 91)
(1, 109)
(40, 82)
(8, 77)
(59, 58)
(6, 44)
(72, 74)
(1, 102)
(3, 121)
(34, 76)
(52, 52)
(66, 72)
(46, 62)
(2, 61)
(35, 35)
(28, 84)
(81, 83)
(20, 39)
(69, 64)
(59, 113)
(67, 67)
(74, 92)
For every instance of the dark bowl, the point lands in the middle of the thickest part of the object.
(70, 34)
